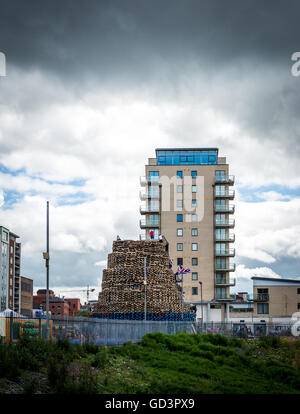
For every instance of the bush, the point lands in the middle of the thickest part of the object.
(90, 348)
(101, 358)
(270, 341)
(9, 364)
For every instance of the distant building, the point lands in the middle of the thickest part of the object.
(272, 300)
(74, 306)
(26, 296)
(10, 263)
(57, 306)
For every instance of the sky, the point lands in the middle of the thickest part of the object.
(93, 87)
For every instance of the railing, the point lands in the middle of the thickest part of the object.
(146, 224)
(225, 194)
(230, 238)
(222, 282)
(229, 209)
(225, 180)
(225, 223)
(226, 268)
(258, 297)
(153, 179)
(225, 252)
(149, 194)
(148, 209)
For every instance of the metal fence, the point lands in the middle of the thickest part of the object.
(246, 330)
(79, 330)
(112, 332)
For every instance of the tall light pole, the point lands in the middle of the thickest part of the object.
(47, 259)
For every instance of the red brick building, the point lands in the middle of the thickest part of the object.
(74, 306)
(57, 306)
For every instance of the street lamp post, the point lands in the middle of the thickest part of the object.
(46, 256)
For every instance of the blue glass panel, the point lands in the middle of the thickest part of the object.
(179, 217)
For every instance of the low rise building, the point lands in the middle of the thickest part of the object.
(26, 296)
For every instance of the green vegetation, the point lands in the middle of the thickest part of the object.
(160, 364)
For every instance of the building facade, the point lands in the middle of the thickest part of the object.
(57, 306)
(187, 198)
(26, 296)
(10, 264)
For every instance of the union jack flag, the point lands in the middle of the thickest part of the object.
(182, 271)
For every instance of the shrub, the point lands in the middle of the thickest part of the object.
(90, 348)
(9, 365)
(101, 358)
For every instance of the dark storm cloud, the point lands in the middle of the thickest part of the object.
(132, 40)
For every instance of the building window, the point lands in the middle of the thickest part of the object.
(179, 174)
(179, 246)
(220, 278)
(11, 249)
(179, 261)
(195, 276)
(194, 261)
(220, 293)
(10, 271)
(194, 232)
(298, 306)
(194, 246)
(194, 174)
(194, 217)
(194, 291)
(153, 176)
(179, 203)
(194, 189)
(179, 218)
(220, 175)
(179, 232)
(263, 308)
(194, 202)
(179, 189)
(298, 291)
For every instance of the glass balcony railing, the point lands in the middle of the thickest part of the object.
(149, 209)
(258, 297)
(148, 224)
(225, 209)
(144, 195)
(224, 282)
(224, 194)
(225, 223)
(225, 252)
(227, 267)
(229, 179)
(225, 238)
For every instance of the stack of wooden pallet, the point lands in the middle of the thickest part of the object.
(123, 288)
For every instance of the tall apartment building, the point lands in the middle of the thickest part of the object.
(187, 198)
(10, 262)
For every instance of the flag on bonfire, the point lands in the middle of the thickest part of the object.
(182, 271)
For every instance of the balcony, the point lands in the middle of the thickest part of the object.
(144, 195)
(258, 297)
(225, 209)
(223, 298)
(148, 209)
(220, 282)
(230, 238)
(224, 194)
(225, 180)
(225, 253)
(146, 237)
(225, 268)
(149, 180)
(226, 223)
(145, 224)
